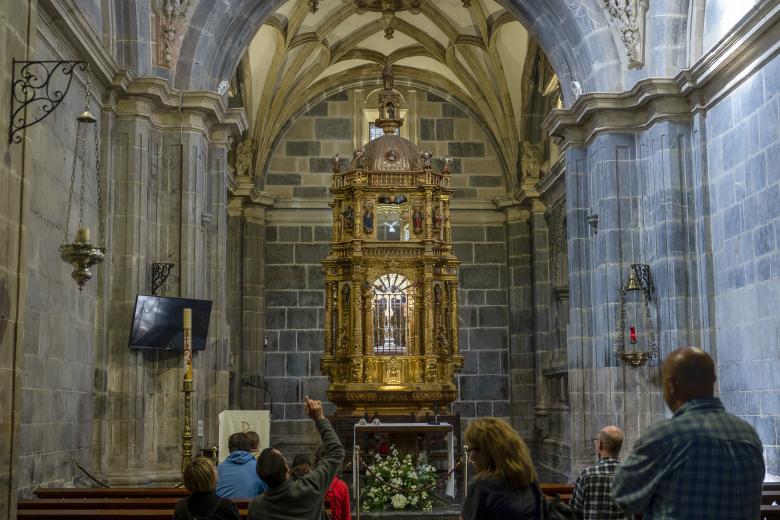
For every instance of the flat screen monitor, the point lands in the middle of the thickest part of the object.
(158, 320)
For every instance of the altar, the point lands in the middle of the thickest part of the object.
(412, 428)
(391, 278)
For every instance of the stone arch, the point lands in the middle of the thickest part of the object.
(574, 35)
(132, 36)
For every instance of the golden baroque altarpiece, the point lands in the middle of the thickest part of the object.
(391, 279)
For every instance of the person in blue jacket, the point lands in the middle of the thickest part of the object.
(237, 475)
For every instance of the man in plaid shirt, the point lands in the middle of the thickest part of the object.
(592, 497)
(703, 463)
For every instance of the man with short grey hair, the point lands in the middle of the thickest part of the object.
(592, 497)
(703, 463)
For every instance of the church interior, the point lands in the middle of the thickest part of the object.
(406, 208)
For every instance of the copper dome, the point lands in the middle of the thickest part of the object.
(391, 153)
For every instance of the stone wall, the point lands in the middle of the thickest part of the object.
(294, 313)
(15, 174)
(743, 153)
(59, 348)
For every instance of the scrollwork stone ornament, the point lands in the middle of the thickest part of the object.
(171, 15)
(627, 18)
(245, 152)
(530, 162)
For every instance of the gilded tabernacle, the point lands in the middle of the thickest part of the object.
(391, 313)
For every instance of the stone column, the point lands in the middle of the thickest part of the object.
(169, 205)
(252, 366)
(628, 202)
(521, 347)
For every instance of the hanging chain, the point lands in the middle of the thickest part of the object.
(72, 182)
(101, 225)
(84, 155)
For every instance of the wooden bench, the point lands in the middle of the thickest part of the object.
(94, 514)
(112, 492)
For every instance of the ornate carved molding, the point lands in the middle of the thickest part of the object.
(743, 51)
(170, 17)
(627, 19)
(245, 152)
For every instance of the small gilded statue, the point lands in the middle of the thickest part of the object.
(446, 164)
(417, 221)
(359, 158)
(349, 218)
(425, 160)
(368, 221)
(436, 217)
(336, 164)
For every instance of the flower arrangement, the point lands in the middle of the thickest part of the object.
(399, 482)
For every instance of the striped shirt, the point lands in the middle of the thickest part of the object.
(592, 496)
(703, 463)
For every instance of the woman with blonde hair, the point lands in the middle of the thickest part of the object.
(505, 484)
(200, 478)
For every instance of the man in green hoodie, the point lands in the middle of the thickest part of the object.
(302, 498)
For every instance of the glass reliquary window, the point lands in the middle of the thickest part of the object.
(393, 308)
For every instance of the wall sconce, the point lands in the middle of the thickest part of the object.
(639, 279)
(81, 253)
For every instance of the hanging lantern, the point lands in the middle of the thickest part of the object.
(639, 280)
(82, 254)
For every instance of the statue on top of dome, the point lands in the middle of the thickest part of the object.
(387, 75)
(359, 158)
(425, 159)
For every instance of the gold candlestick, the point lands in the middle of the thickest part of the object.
(186, 436)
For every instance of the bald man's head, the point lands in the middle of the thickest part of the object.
(689, 373)
(610, 441)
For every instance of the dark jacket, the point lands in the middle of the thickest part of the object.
(205, 505)
(302, 498)
(237, 476)
(489, 499)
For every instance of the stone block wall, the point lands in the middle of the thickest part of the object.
(300, 166)
(58, 354)
(484, 339)
(447, 130)
(743, 154)
(294, 313)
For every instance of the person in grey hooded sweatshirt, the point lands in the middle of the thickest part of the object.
(301, 498)
(237, 475)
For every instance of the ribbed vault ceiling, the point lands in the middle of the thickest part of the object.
(475, 53)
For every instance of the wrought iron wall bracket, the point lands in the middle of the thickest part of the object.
(32, 88)
(160, 272)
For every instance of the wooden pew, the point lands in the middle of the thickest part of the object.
(95, 514)
(112, 492)
(109, 503)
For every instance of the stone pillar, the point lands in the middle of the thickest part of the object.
(628, 193)
(168, 205)
(252, 367)
(521, 347)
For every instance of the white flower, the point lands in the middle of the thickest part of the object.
(414, 500)
(399, 501)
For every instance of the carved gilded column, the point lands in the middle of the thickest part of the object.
(330, 290)
(368, 320)
(447, 226)
(428, 326)
(428, 215)
(452, 285)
